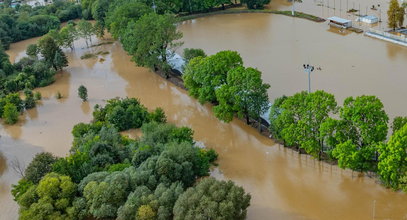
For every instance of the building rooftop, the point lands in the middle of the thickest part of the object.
(339, 20)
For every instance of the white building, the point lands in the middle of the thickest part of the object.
(340, 22)
(370, 19)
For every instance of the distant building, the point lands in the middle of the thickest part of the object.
(370, 19)
(340, 22)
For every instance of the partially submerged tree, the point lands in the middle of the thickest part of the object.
(85, 29)
(203, 75)
(244, 94)
(190, 53)
(151, 40)
(392, 166)
(364, 129)
(83, 93)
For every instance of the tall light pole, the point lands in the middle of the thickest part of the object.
(292, 9)
(308, 69)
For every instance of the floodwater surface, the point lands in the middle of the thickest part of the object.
(283, 184)
(351, 64)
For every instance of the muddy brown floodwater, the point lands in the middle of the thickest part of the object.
(352, 64)
(283, 184)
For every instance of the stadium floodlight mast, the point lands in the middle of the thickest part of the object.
(308, 69)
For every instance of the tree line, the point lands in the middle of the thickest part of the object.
(223, 80)
(24, 21)
(147, 33)
(93, 8)
(354, 134)
(109, 176)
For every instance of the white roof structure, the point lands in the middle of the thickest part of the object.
(339, 20)
(370, 19)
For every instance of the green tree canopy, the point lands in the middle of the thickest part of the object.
(255, 4)
(51, 199)
(39, 166)
(212, 199)
(365, 127)
(190, 53)
(151, 39)
(119, 17)
(244, 94)
(398, 123)
(83, 93)
(392, 166)
(203, 75)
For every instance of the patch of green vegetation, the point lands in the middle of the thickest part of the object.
(240, 11)
(103, 43)
(88, 56)
(300, 15)
(352, 10)
(93, 55)
(102, 53)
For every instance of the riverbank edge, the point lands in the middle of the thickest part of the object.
(252, 11)
(177, 80)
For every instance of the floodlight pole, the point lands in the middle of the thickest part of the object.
(308, 69)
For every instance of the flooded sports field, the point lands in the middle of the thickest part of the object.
(283, 184)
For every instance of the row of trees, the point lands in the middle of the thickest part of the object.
(25, 22)
(353, 134)
(109, 176)
(222, 79)
(93, 8)
(148, 34)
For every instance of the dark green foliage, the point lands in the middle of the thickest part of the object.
(164, 162)
(118, 17)
(160, 202)
(29, 101)
(76, 166)
(52, 53)
(190, 53)
(39, 167)
(212, 199)
(32, 50)
(158, 115)
(122, 113)
(25, 22)
(398, 123)
(150, 39)
(22, 186)
(60, 61)
(255, 4)
(155, 134)
(83, 93)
